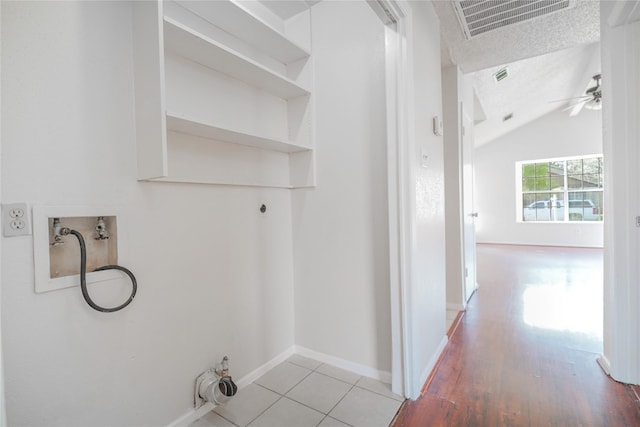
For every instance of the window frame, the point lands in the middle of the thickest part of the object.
(566, 190)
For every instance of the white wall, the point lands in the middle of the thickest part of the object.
(214, 277)
(424, 210)
(342, 305)
(451, 98)
(3, 412)
(456, 89)
(554, 135)
(621, 109)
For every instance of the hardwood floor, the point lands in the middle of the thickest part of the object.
(524, 353)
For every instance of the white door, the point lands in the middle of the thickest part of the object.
(468, 205)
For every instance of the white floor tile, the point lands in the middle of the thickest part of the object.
(378, 387)
(211, 419)
(363, 408)
(305, 362)
(332, 422)
(250, 402)
(283, 377)
(287, 413)
(319, 392)
(338, 373)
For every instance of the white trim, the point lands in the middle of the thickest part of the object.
(621, 64)
(624, 12)
(604, 364)
(552, 245)
(261, 370)
(347, 365)
(193, 415)
(394, 17)
(430, 366)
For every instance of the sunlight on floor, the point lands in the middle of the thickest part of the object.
(571, 304)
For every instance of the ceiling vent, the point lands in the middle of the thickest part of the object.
(480, 16)
(501, 74)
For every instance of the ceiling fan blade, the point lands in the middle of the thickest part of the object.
(571, 99)
(575, 104)
(578, 107)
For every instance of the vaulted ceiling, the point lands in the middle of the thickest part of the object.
(549, 58)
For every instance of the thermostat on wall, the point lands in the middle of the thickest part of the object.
(437, 126)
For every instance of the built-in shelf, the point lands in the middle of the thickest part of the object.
(179, 123)
(234, 18)
(205, 51)
(221, 95)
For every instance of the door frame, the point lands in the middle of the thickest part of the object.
(396, 16)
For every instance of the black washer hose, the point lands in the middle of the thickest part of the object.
(83, 276)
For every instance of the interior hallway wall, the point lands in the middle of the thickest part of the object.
(214, 277)
(457, 89)
(424, 210)
(342, 303)
(554, 135)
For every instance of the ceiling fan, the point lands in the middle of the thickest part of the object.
(591, 100)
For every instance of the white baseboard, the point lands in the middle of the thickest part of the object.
(261, 370)
(604, 364)
(359, 369)
(192, 416)
(365, 371)
(195, 414)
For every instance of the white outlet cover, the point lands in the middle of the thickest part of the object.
(16, 220)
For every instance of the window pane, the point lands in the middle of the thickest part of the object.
(591, 166)
(574, 181)
(591, 181)
(542, 169)
(542, 184)
(574, 166)
(557, 182)
(528, 184)
(528, 170)
(585, 206)
(562, 190)
(557, 210)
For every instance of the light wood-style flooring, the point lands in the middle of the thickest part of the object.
(524, 353)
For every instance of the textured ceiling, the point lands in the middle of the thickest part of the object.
(549, 58)
(531, 88)
(577, 26)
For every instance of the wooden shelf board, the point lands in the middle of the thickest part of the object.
(234, 19)
(205, 51)
(235, 183)
(178, 123)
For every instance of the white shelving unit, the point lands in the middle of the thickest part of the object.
(222, 96)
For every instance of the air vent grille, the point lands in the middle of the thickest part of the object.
(501, 74)
(480, 16)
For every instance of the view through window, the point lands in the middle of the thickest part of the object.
(564, 189)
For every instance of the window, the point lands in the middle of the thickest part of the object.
(567, 189)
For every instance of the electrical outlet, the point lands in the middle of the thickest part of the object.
(15, 220)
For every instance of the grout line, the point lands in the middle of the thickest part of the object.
(338, 402)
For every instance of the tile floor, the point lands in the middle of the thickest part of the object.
(302, 392)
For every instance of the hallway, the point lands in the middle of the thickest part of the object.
(525, 352)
